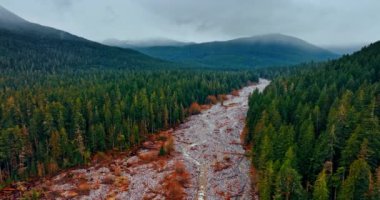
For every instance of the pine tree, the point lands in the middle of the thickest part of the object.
(321, 191)
(288, 181)
(356, 186)
(265, 183)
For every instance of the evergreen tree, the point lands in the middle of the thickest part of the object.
(320, 190)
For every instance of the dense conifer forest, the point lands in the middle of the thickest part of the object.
(51, 121)
(315, 133)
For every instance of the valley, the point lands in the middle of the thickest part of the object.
(214, 102)
(207, 147)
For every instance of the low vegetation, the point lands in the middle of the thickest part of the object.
(174, 183)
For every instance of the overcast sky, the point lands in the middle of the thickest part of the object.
(322, 22)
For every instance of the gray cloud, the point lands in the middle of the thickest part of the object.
(318, 21)
(62, 3)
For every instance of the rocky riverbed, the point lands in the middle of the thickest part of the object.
(211, 146)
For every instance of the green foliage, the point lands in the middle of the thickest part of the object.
(320, 190)
(356, 186)
(162, 151)
(50, 121)
(329, 114)
(32, 195)
(288, 181)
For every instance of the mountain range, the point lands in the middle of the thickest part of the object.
(136, 44)
(47, 47)
(249, 52)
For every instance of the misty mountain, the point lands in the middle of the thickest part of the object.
(249, 52)
(145, 43)
(11, 22)
(26, 45)
(345, 49)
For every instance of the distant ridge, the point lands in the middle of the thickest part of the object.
(248, 52)
(144, 43)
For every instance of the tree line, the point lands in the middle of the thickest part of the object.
(54, 120)
(315, 132)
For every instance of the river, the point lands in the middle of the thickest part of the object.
(211, 145)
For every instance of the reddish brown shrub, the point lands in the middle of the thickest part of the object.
(194, 109)
(40, 169)
(122, 183)
(169, 145)
(117, 170)
(182, 175)
(211, 99)
(235, 93)
(205, 107)
(109, 179)
(174, 191)
(219, 165)
(101, 157)
(148, 156)
(52, 167)
(159, 165)
(175, 182)
(84, 188)
(222, 97)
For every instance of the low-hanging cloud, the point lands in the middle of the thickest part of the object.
(318, 21)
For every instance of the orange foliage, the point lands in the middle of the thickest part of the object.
(254, 179)
(211, 99)
(222, 97)
(244, 135)
(148, 156)
(52, 167)
(101, 157)
(159, 165)
(109, 179)
(175, 182)
(169, 145)
(40, 169)
(84, 188)
(122, 183)
(235, 93)
(117, 170)
(222, 165)
(182, 175)
(219, 166)
(205, 107)
(194, 109)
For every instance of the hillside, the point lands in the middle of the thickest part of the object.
(26, 45)
(144, 43)
(319, 130)
(65, 100)
(251, 52)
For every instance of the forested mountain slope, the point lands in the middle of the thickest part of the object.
(25, 45)
(316, 134)
(251, 52)
(62, 100)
